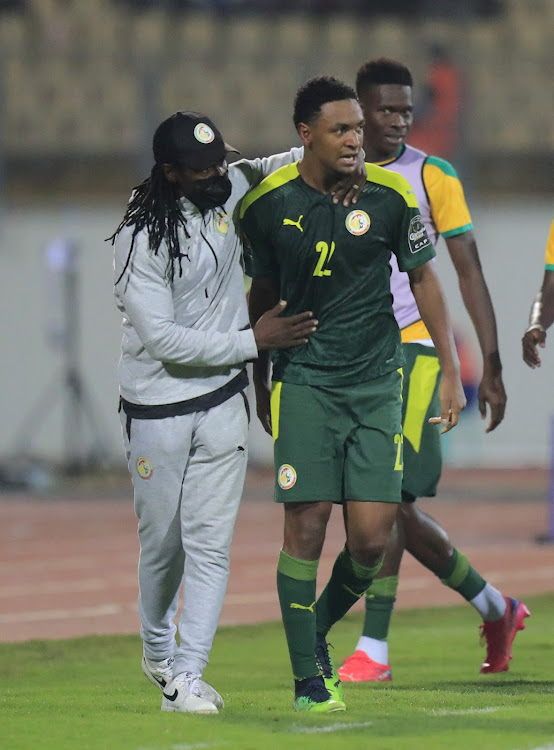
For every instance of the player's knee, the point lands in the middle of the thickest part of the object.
(304, 541)
(367, 552)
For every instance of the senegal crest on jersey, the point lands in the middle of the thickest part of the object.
(221, 224)
(357, 222)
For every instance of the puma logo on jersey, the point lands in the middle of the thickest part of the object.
(291, 223)
(294, 605)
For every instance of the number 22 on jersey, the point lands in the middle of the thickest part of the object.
(325, 255)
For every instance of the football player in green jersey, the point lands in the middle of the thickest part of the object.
(335, 405)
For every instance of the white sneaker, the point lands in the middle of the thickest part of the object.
(160, 673)
(189, 694)
(210, 694)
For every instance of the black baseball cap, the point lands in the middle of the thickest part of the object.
(190, 139)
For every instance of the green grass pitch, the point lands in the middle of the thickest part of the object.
(90, 693)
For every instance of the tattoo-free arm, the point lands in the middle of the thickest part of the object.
(263, 295)
(477, 300)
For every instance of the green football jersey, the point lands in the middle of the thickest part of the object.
(334, 260)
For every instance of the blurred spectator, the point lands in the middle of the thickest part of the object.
(437, 120)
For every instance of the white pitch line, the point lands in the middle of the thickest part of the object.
(295, 729)
(465, 711)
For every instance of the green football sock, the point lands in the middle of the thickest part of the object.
(379, 604)
(296, 586)
(460, 576)
(348, 583)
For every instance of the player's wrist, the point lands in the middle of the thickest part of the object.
(536, 327)
(451, 370)
(492, 364)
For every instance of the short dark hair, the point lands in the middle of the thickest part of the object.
(381, 72)
(316, 92)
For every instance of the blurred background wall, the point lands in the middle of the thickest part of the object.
(83, 84)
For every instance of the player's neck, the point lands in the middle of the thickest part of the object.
(317, 176)
(375, 155)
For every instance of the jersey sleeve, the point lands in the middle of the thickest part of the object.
(446, 197)
(247, 173)
(412, 245)
(414, 248)
(259, 255)
(549, 255)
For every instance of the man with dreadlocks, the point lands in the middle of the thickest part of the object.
(186, 337)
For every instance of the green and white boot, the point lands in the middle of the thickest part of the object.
(312, 695)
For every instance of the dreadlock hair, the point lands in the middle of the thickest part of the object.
(155, 205)
(315, 93)
(381, 72)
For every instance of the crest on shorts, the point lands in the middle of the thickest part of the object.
(144, 468)
(203, 133)
(221, 224)
(417, 235)
(286, 476)
(357, 222)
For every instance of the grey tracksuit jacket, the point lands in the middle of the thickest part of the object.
(189, 336)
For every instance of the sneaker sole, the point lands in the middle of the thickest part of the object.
(354, 678)
(522, 612)
(204, 711)
(211, 694)
(322, 708)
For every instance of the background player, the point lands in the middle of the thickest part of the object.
(385, 91)
(336, 402)
(542, 311)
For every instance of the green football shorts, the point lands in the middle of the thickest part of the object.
(422, 441)
(338, 443)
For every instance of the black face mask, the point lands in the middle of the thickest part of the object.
(211, 192)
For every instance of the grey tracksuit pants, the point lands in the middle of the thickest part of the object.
(188, 475)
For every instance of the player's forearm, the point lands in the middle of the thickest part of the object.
(174, 344)
(434, 313)
(546, 316)
(476, 297)
(262, 297)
